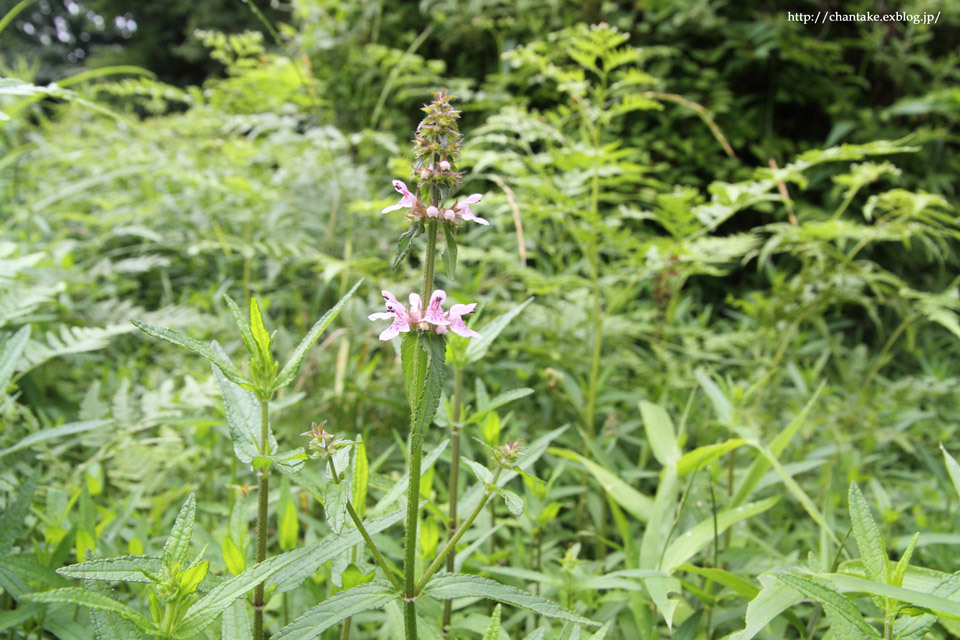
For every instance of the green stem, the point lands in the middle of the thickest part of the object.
(452, 542)
(416, 455)
(263, 489)
(454, 480)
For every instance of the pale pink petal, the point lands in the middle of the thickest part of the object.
(434, 313)
(416, 308)
(458, 310)
(459, 328)
(399, 326)
(392, 207)
(432, 212)
(474, 197)
(382, 315)
(477, 219)
(449, 215)
(444, 165)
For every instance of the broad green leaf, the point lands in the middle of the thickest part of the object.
(869, 542)
(498, 401)
(493, 629)
(108, 625)
(290, 369)
(361, 479)
(337, 608)
(335, 505)
(15, 512)
(31, 570)
(660, 433)
(54, 433)
(237, 621)
(637, 504)
(774, 598)
(10, 351)
(953, 469)
(483, 474)
(405, 243)
(91, 600)
(232, 556)
(700, 457)
(242, 410)
(761, 465)
(844, 616)
(288, 526)
(735, 583)
(121, 569)
(203, 350)
(936, 603)
(449, 586)
(450, 255)
(696, 539)
(429, 397)
(478, 347)
(178, 543)
(513, 501)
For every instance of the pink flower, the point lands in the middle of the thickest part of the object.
(444, 165)
(433, 319)
(463, 210)
(455, 319)
(407, 199)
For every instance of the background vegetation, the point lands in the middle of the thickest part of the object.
(723, 216)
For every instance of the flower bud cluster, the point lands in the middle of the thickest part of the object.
(318, 441)
(436, 146)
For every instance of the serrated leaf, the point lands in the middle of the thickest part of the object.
(410, 353)
(290, 369)
(203, 350)
(121, 569)
(872, 551)
(405, 244)
(449, 586)
(91, 600)
(54, 433)
(513, 501)
(12, 518)
(904, 562)
(108, 625)
(429, 398)
(337, 608)
(237, 621)
(243, 325)
(936, 603)
(493, 628)
(259, 331)
(242, 411)
(843, 613)
(483, 474)
(450, 254)
(478, 347)
(178, 542)
(10, 351)
(335, 505)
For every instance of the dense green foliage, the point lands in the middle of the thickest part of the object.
(736, 376)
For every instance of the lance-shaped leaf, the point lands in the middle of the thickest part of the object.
(478, 347)
(498, 401)
(361, 479)
(11, 521)
(289, 371)
(243, 325)
(335, 505)
(429, 398)
(54, 433)
(204, 350)
(242, 410)
(450, 255)
(449, 586)
(237, 621)
(405, 243)
(108, 625)
(493, 628)
(10, 351)
(178, 543)
(336, 609)
(92, 600)
(843, 614)
(121, 569)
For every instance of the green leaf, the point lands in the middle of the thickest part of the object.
(637, 504)
(178, 543)
(449, 586)
(953, 469)
(869, 542)
(478, 347)
(936, 603)
(697, 538)
(700, 457)
(733, 582)
(483, 474)
(361, 479)
(774, 598)
(121, 569)
(660, 433)
(91, 600)
(513, 501)
(242, 410)
(337, 608)
(10, 351)
(203, 350)
(904, 563)
(410, 354)
(237, 621)
(493, 629)
(429, 397)
(243, 325)
(288, 526)
(405, 243)
(54, 433)
(31, 570)
(450, 255)
(108, 625)
(290, 369)
(335, 505)
(844, 616)
(233, 557)
(721, 405)
(15, 512)
(259, 331)
(498, 401)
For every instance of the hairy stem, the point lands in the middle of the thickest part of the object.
(454, 480)
(452, 542)
(416, 455)
(263, 489)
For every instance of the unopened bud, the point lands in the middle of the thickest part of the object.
(444, 165)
